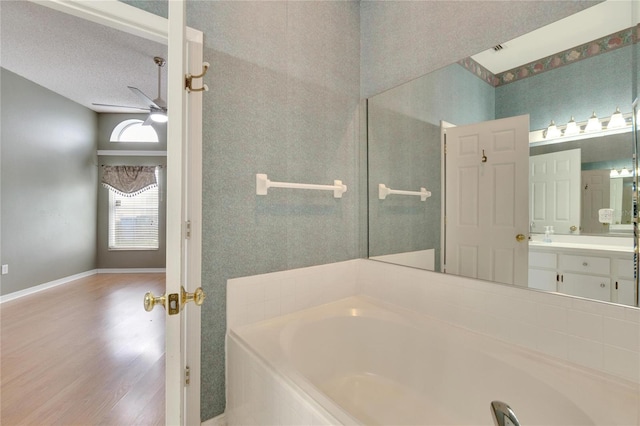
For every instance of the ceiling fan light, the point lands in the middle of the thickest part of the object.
(572, 128)
(593, 125)
(158, 116)
(552, 131)
(617, 120)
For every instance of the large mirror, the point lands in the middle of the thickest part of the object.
(515, 168)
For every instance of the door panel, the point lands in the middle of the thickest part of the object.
(486, 199)
(505, 192)
(467, 264)
(468, 198)
(596, 190)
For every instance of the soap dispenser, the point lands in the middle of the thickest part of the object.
(548, 230)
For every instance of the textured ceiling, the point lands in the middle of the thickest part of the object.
(87, 62)
(80, 60)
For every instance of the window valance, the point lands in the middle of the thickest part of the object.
(129, 181)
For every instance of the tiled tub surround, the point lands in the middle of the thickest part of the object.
(599, 336)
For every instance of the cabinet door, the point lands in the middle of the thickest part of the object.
(625, 268)
(626, 292)
(588, 286)
(543, 279)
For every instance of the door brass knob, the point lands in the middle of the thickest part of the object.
(520, 238)
(150, 301)
(573, 228)
(196, 297)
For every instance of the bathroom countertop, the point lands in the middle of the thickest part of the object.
(578, 246)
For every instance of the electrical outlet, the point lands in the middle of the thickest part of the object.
(5, 269)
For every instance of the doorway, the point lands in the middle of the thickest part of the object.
(133, 22)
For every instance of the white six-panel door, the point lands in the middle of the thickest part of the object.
(554, 187)
(486, 200)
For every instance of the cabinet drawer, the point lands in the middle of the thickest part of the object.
(586, 264)
(543, 260)
(625, 268)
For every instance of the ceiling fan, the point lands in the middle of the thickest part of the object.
(157, 107)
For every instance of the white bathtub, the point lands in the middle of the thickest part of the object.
(357, 362)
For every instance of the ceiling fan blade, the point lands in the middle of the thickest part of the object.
(120, 106)
(148, 121)
(147, 100)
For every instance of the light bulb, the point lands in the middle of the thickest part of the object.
(593, 125)
(158, 116)
(617, 120)
(552, 131)
(572, 128)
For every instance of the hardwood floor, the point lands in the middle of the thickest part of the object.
(84, 353)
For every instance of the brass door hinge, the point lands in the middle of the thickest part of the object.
(187, 229)
(187, 376)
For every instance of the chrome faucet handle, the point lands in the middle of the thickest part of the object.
(503, 415)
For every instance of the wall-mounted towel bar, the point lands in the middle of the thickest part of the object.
(383, 191)
(263, 184)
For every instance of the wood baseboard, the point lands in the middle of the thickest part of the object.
(45, 286)
(131, 270)
(35, 289)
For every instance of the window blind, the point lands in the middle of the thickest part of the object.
(133, 221)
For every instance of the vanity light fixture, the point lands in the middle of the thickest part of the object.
(572, 128)
(552, 131)
(593, 125)
(617, 120)
(622, 173)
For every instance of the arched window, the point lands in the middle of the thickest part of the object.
(133, 131)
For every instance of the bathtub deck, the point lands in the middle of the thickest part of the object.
(450, 379)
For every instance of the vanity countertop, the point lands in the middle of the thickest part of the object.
(580, 246)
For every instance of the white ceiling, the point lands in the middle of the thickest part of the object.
(89, 63)
(590, 24)
(80, 60)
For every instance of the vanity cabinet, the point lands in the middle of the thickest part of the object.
(625, 284)
(605, 275)
(543, 270)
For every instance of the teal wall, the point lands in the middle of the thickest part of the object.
(600, 83)
(48, 185)
(284, 100)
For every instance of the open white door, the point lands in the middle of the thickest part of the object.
(486, 200)
(184, 211)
